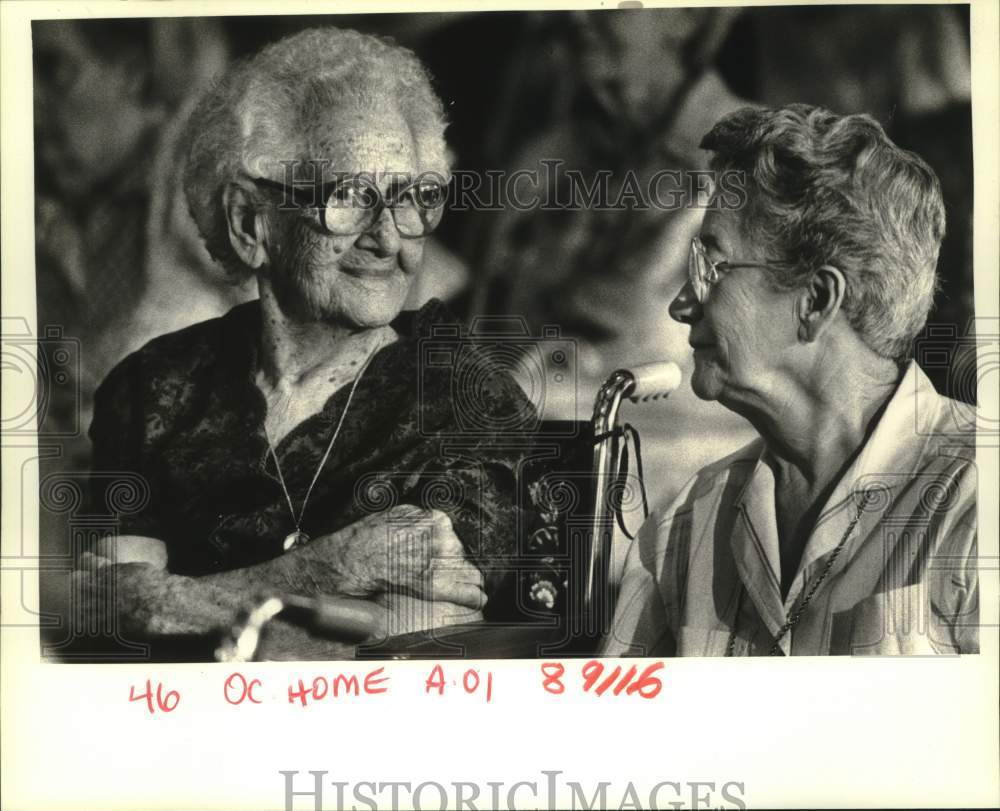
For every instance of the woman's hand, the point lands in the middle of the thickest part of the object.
(395, 556)
(402, 551)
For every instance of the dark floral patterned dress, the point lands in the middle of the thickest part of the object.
(185, 414)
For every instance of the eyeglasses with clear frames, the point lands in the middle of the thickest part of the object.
(351, 205)
(703, 272)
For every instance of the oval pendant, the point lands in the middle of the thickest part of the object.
(296, 538)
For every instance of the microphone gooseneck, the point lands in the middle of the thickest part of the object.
(646, 383)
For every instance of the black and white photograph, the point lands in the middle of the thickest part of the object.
(579, 341)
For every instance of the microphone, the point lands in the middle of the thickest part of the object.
(641, 384)
(338, 617)
(342, 618)
(651, 381)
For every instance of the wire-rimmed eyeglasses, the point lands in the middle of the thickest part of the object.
(352, 204)
(703, 272)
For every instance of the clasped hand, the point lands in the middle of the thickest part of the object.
(405, 550)
(406, 562)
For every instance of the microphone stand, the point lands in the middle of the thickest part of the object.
(646, 383)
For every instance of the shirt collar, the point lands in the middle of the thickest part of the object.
(887, 461)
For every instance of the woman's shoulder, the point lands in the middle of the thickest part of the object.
(184, 351)
(213, 335)
(747, 455)
(705, 487)
(170, 373)
(730, 470)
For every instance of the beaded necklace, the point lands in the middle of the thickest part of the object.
(792, 620)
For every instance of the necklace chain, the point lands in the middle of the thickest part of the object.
(298, 536)
(792, 620)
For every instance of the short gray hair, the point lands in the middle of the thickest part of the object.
(263, 106)
(828, 189)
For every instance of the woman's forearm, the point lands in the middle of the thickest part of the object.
(152, 601)
(131, 572)
(357, 561)
(310, 570)
(147, 601)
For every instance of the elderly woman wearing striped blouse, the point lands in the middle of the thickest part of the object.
(849, 525)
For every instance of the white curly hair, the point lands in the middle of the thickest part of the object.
(268, 108)
(825, 188)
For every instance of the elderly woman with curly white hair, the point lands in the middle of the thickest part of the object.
(294, 445)
(849, 526)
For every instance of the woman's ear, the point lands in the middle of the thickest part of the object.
(820, 301)
(247, 228)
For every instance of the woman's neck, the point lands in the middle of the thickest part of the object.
(814, 429)
(291, 352)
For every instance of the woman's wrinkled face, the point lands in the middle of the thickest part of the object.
(362, 280)
(743, 332)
